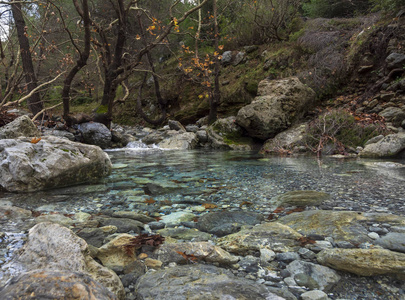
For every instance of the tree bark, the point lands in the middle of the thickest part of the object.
(214, 99)
(35, 103)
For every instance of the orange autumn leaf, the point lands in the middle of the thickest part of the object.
(35, 140)
(209, 205)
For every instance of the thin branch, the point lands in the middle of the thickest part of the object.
(44, 110)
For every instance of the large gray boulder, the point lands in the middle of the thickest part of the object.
(94, 133)
(278, 105)
(180, 141)
(22, 126)
(52, 247)
(389, 146)
(200, 282)
(50, 163)
(286, 140)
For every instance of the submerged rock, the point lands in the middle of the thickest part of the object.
(52, 247)
(202, 282)
(364, 262)
(300, 198)
(274, 236)
(184, 253)
(45, 284)
(226, 222)
(52, 162)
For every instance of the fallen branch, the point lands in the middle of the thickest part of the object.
(33, 91)
(44, 110)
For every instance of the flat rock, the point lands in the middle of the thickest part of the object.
(123, 225)
(183, 253)
(274, 236)
(226, 222)
(340, 225)
(133, 215)
(389, 146)
(176, 218)
(185, 234)
(364, 262)
(202, 282)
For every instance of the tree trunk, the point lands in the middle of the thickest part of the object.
(80, 63)
(214, 99)
(35, 103)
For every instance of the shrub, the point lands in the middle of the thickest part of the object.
(337, 130)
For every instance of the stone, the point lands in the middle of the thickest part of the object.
(50, 163)
(266, 255)
(287, 256)
(395, 115)
(395, 60)
(94, 133)
(389, 146)
(123, 225)
(46, 284)
(324, 277)
(314, 295)
(285, 140)
(364, 262)
(175, 125)
(300, 198)
(176, 218)
(274, 236)
(55, 218)
(181, 141)
(192, 128)
(278, 105)
(226, 58)
(239, 58)
(202, 282)
(227, 135)
(394, 241)
(60, 134)
(133, 215)
(20, 127)
(217, 222)
(114, 255)
(93, 236)
(153, 263)
(340, 225)
(52, 247)
(185, 234)
(183, 253)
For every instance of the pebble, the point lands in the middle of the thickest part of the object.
(373, 235)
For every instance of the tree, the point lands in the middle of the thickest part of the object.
(34, 102)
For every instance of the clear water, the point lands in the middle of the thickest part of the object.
(227, 179)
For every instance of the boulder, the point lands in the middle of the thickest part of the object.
(285, 140)
(94, 133)
(20, 127)
(226, 222)
(394, 241)
(45, 284)
(364, 262)
(175, 218)
(278, 105)
(274, 236)
(52, 247)
(50, 163)
(389, 146)
(176, 125)
(185, 253)
(226, 58)
(395, 115)
(181, 141)
(226, 134)
(395, 60)
(123, 225)
(324, 277)
(202, 282)
(185, 234)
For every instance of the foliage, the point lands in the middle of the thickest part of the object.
(335, 8)
(388, 6)
(336, 130)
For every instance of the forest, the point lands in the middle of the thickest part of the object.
(125, 61)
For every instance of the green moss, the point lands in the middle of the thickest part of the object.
(102, 109)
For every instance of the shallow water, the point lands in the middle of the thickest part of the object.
(227, 179)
